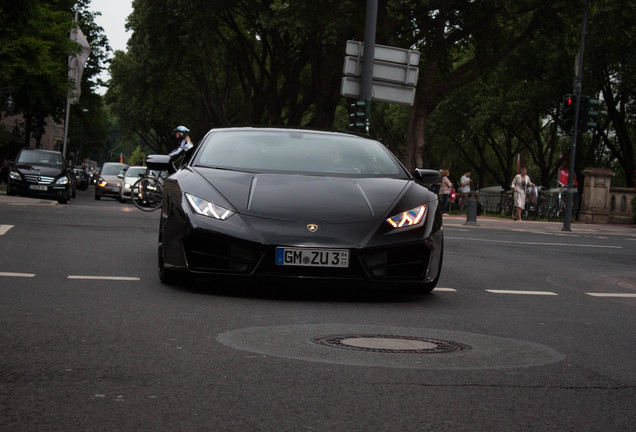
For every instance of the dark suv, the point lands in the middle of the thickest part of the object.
(40, 173)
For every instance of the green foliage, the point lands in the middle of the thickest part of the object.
(34, 46)
(138, 157)
(492, 75)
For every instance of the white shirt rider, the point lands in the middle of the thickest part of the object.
(185, 144)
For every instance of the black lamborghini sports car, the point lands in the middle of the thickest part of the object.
(285, 203)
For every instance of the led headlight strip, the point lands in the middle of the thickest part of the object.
(408, 218)
(207, 208)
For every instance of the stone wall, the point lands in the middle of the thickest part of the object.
(603, 204)
(620, 204)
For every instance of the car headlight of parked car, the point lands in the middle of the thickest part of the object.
(408, 218)
(15, 175)
(207, 208)
(62, 180)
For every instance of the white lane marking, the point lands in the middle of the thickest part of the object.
(11, 274)
(5, 228)
(118, 278)
(626, 295)
(445, 289)
(550, 293)
(536, 243)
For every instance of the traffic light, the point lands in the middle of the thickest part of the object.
(569, 112)
(358, 117)
(591, 114)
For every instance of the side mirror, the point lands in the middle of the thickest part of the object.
(160, 163)
(121, 176)
(427, 177)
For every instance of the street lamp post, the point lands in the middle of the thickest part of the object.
(9, 103)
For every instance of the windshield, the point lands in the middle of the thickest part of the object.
(40, 158)
(297, 152)
(136, 172)
(112, 169)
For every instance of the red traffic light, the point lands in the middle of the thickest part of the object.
(569, 101)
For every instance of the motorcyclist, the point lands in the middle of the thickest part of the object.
(185, 143)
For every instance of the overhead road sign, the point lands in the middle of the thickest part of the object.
(383, 71)
(380, 91)
(385, 53)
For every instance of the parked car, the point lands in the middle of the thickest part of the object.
(108, 181)
(42, 173)
(82, 177)
(128, 179)
(264, 202)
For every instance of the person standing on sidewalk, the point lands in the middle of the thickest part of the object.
(445, 190)
(464, 190)
(520, 185)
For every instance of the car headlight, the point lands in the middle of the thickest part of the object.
(102, 183)
(207, 208)
(62, 180)
(408, 218)
(15, 175)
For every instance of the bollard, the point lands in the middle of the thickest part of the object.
(471, 214)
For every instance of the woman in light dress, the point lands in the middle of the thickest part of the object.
(520, 185)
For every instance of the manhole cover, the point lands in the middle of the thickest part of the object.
(388, 346)
(392, 344)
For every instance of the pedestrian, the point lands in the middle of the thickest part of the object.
(464, 190)
(520, 185)
(445, 190)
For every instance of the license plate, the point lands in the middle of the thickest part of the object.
(38, 187)
(312, 257)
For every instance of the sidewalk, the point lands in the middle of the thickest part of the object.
(25, 201)
(486, 222)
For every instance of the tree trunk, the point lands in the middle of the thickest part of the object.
(415, 138)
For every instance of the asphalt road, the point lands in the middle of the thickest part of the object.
(531, 328)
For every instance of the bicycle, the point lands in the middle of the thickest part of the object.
(536, 204)
(147, 192)
(508, 206)
(557, 209)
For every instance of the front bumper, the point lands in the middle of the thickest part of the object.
(110, 189)
(54, 191)
(204, 253)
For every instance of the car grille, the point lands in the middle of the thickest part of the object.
(32, 178)
(404, 262)
(209, 253)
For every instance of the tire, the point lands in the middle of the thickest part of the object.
(147, 194)
(171, 277)
(65, 199)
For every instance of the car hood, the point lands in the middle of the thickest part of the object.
(41, 170)
(293, 197)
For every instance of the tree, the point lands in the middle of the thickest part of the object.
(34, 45)
(34, 48)
(266, 62)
